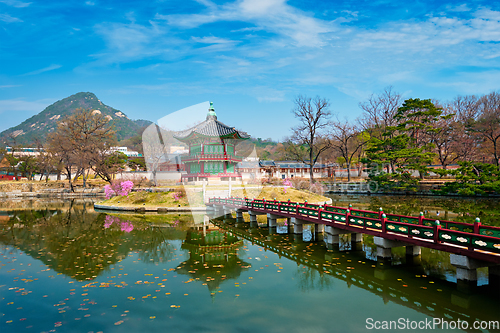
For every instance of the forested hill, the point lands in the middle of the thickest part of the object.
(38, 126)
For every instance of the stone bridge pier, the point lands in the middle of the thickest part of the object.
(332, 237)
(384, 251)
(253, 217)
(239, 215)
(227, 210)
(467, 272)
(298, 225)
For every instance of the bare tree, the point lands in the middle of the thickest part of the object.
(379, 117)
(155, 150)
(347, 139)
(379, 111)
(310, 135)
(81, 138)
(488, 124)
(443, 137)
(61, 148)
(465, 144)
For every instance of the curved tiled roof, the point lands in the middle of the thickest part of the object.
(211, 127)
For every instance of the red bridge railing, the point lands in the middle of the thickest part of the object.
(473, 237)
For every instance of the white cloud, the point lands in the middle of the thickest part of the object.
(273, 16)
(129, 42)
(461, 8)
(212, 40)
(290, 49)
(435, 33)
(15, 3)
(473, 82)
(9, 19)
(43, 70)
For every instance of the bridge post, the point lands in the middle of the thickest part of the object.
(253, 217)
(332, 239)
(319, 228)
(218, 209)
(467, 270)
(333, 236)
(297, 226)
(239, 214)
(271, 220)
(227, 210)
(384, 247)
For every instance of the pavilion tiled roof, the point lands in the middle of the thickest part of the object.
(211, 127)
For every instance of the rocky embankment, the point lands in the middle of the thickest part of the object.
(46, 190)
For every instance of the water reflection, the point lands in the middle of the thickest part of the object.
(418, 285)
(213, 257)
(83, 244)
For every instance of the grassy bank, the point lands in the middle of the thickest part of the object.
(270, 193)
(160, 199)
(179, 198)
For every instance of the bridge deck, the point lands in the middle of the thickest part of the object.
(472, 240)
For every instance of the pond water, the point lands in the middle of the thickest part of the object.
(66, 268)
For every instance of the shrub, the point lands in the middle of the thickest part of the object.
(178, 194)
(122, 188)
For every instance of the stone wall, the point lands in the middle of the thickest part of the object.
(47, 189)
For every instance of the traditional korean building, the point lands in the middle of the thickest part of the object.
(211, 150)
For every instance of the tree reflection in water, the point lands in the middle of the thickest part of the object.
(83, 244)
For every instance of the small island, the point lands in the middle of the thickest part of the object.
(190, 198)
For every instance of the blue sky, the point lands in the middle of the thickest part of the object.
(251, 58)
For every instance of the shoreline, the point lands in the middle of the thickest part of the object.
(157, 209)
(151, 209)
(52, 194)
(428, 194)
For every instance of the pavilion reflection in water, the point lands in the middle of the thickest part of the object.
(213, 256)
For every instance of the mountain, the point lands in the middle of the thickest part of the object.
(38, 126)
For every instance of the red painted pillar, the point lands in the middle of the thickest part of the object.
(477, 225)
(421, 218)
(383, 220)
(437, 227)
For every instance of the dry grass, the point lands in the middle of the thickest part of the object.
(271, 192)
(167, 199)
(161, 199)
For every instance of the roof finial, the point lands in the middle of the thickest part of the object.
(211, 111)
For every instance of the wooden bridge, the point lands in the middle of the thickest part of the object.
(470, 245)
(379, 280)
